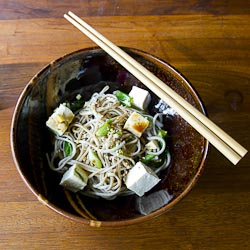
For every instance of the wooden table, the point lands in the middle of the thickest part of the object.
(208, 41)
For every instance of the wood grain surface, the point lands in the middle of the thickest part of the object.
(209, 42)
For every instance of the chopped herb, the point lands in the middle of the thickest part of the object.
(118, 132)
(104, 128)
(76, 104)
(162, 133)
(147, 158)
(93, 157)
(67, 148)
(129, 139)
(124, 99)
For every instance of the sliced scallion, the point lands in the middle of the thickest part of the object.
(67, 148)
(124, 99)
(93, 157)
(104, 128)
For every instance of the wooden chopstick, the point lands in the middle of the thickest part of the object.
(216, 136)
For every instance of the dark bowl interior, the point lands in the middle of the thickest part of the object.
(87, 71)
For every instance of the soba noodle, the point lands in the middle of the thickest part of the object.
(118, 151)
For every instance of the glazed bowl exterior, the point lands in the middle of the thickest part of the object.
(87, 71)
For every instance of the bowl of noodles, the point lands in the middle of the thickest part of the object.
(95, 145)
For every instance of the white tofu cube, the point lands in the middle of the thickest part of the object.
(60, 119)
(141, 179)
(136, 124)
(74, 179)
(141, 97)
(152, 145)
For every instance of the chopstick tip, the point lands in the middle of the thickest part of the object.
(66, 16)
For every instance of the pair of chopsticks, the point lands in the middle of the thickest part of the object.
(216, 136)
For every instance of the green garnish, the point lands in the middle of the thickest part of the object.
(67, 148)
(76, 104)
(129, 139)
(147, 158)
(124, 99)
(118, 132)
(104, 128)
(93, 157)
(162, 133)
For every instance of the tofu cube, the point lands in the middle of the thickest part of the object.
(59, 121)
(74, 179)
(141, 97)
(141, 179)
(136, 124)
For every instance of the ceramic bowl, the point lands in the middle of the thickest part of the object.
(87, 71)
